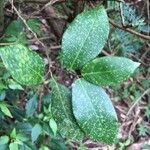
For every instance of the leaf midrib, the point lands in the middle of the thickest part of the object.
(62, 102)
(101, 72)
(5, 62)
(83, 43)
(82, 86)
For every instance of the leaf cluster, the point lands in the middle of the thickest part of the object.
(85, 110)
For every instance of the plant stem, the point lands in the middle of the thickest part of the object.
(136, 102)
(146, 37)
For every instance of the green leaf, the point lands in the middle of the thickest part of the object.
(14, 85)
(31, 105)
(142, 129)
(13, 146)
(36, 131)
(34, 24)
(62, 112)
(22, 137)
(109, 70)
(5, 110)
(53, 126)
(25, 66)
(56, 144)
(15, 28)
(27, 146)
(44, 148)
(2, 95)
(24, 127)
(4, 140)
(4, 147)
(14, 32)
(13, 134)
(84, 38)
(94, 111)
(2, 86)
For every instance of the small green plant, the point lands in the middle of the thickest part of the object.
(147, 112)
(121, 42)
(86, 109)
(142, 129)
(123, 145)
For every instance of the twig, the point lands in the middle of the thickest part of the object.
(24, 21)
(105, 53)
(47, 5)
(6, 44)
(121, 14)
(146, 37)
(46, 51)
(136, 102)
(55, 47)
(139, 60)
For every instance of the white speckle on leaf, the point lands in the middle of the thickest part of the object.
(84, 38)
(94, 111)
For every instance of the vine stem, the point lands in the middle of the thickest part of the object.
(40, 90)
(146, 37)
(136, 102)
(34, 34)
(121, 14)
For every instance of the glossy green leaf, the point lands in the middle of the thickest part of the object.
(27, 146)
(94, 111)
(22, 137)
(13, 146)
(14, 32)
(36, 131)
(25, 66)
(53, 126)
(15, 28)
(5, 110)
(31, 105)
(62, 112)
(84, 38)
(14, 85)
(44, 148)
(34, 24)
(109, 70)
(4, 147)
(57, 144)
(4, 140)
(2, 94)
(13, 134)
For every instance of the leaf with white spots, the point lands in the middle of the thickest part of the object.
(109, 70)
(84, 38)
(25, 66)
(94, 111)
(62, 112)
